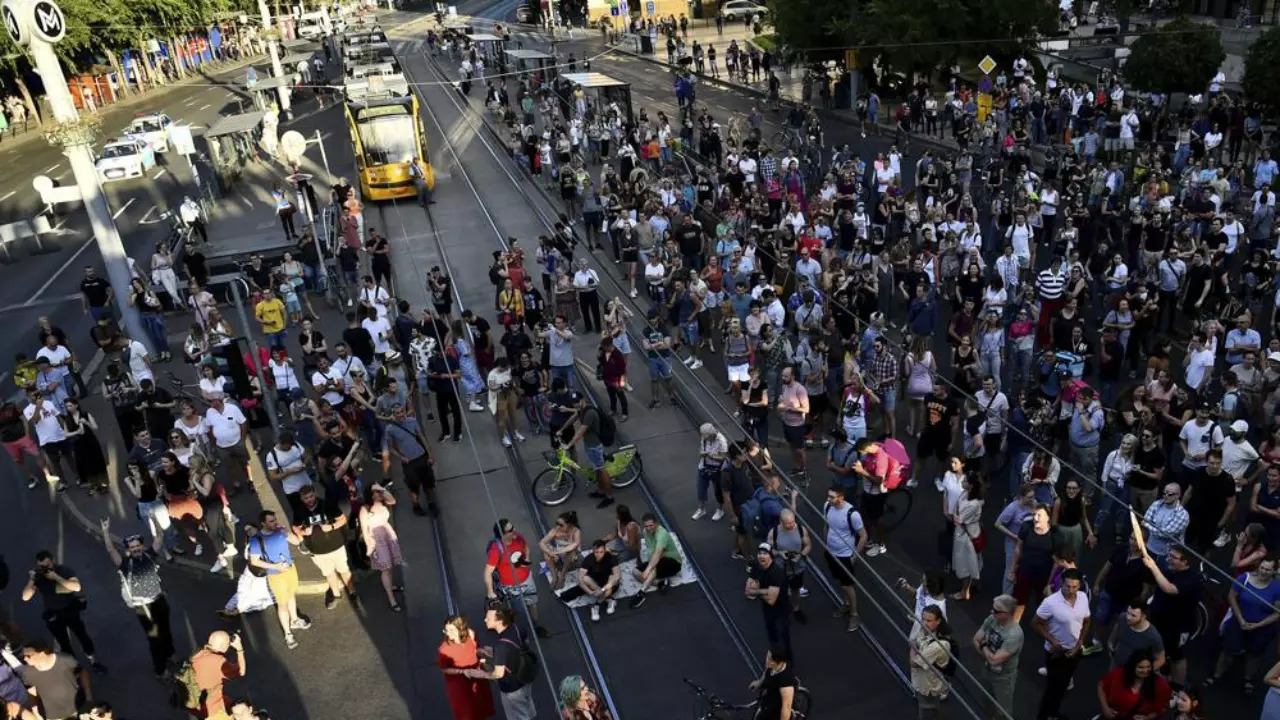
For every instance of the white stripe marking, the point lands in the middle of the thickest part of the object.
(124, 207)
(8, 195)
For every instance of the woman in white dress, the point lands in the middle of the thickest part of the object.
(252, 592)
(162, 273)
(966, 560)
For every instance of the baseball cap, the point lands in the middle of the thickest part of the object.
(1204, 405)
(764, 547)
(1240, 426)
(1274, 356)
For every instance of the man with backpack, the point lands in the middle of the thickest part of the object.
(880, 473)
(515, 667)
(595, 430)
(846, 540)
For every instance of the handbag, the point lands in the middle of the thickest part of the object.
(254, 570)
(979, 541)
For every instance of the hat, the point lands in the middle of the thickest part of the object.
(1204, 405)
(1240, 426)
(707, 429)
(764, 548)
(1274, 356)
(392, 356)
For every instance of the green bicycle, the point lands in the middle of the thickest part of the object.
(554, 485)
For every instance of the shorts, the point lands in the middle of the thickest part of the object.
(1175, 642)
(889, 399)
(1025, 587)
(22, 446)
(739, 373)
(1126, 143)
(419, 474)
(872, 507)
(332, 562)
(57, 450)
(795, 582)
(936, 444)
(234, 454)
(841, 568)
(690, 332)
(818, 404)
(526, 590)
(659, 368)
(293, 307)
(595, 456)
(714, 299)
(284, 585)
(794, 435)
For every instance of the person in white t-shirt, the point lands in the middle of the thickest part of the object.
(379, 328)
(329, 382)
(373, 296)
(228, 428)
(45, 418)
(136, 358)
(286, 465)
(1198, 363)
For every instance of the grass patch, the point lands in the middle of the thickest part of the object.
(766, 42)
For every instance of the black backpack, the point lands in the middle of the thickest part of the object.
(527, 672)
(608, 431)
(953, 657)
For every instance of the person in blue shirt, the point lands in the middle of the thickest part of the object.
(922, 314)
(1264, 170)
(1251, 628)
(269, 551)
(1085, 431)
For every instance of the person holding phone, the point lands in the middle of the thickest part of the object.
(213, 668)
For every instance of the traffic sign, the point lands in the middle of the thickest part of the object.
(622, 7)
(47, 21)
(650, 8)
(987, 65)
(13, 25)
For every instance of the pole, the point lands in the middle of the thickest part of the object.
(324, 218)
(273, 47)
(267, 402)
(79, 153)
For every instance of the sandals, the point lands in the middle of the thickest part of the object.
(396, 608)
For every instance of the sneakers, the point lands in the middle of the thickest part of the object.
(475, 407)
(520, 437)
(506, 441)
(717, 515)
(912, 483)
(230, 550)
(696, 364)
(610, 606)
(219, 565)
(638, 600)
(842, 611)
(1092, 648)
(32, 483)
(1223, 538)
(699, 514)
(876, 549)
(689, 360)
(1043, 672)
(595, 613)
(855, 622)
(330, 600)
(804, 592)
(290, 641)
(199, 550)
(300, 623)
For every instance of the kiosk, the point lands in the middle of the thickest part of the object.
(600, 90)
(539, 64)
(233, 143)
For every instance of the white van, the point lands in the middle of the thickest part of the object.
(312, 25)
(378, 78)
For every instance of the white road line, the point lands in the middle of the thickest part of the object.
(159, 175)
(60, 175)
(205, 106)
(60, 270)
(51, 168)
(124, 207)
(8, 195)
(189, 103)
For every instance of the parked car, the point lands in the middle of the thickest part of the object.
(127, 157)
(524, 13)
(739, 9)
(153, 128)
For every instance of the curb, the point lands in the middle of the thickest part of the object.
(881, 128)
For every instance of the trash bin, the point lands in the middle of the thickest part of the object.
(646, 44)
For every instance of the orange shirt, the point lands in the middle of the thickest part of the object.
(212, 669)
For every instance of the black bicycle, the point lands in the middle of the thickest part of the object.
(708, 706)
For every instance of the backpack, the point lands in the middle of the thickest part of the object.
(528, 670)
(754, 516)
(186, 692)
(848, 518)
(608, 431)
(953, 657)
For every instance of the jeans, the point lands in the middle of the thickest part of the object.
(1006, 583)
(153, 324)
(1087, 461)
(518, 704)
(60, 622)
(708, 477)
(563, 372)
(991, 365)
(1020, 372)
(446, 405)
(1105, 506)
(617, 396)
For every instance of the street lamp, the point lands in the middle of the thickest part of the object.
(37, 25)
(273, 47)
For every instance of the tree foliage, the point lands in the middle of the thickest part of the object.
(1262, 70)
(914, 35)
(1182, 56)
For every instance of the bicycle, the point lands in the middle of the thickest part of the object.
(897, 505)
(336, 290)
(555, 484)
(710, 707)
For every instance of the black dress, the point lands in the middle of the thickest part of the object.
(91, 464)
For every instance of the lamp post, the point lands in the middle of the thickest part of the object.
(37, 25)
(273, 48)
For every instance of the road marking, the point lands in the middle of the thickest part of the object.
(145, 221)
(8, 195)
(159, 175)
(189, 103)
(205, 106)
(60, 175)
(60, 270)
(51, 168)
(124, 207)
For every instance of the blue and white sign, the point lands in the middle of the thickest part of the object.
(650, 8)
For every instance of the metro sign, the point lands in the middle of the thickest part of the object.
(47, 21)
(13, 25)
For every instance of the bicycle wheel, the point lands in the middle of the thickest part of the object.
(801, 704)
(630, 473)
(1202, 621)
(897, 503)
(553, 486)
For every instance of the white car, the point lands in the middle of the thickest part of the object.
(153, 128)
(738, 9)
(125, 158)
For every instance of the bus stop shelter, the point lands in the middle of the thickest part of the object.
(233, 143)
(264, 91)
(300, 45)
(489, 46)
(540, 64)
(599, 89)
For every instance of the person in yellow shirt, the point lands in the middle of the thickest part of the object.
(271, 315)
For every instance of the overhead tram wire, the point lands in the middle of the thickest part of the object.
(735, 634)
(517, 464)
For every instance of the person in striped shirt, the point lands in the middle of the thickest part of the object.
(1051, 285)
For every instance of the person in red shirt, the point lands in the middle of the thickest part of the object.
(508, 557)
(1134, 691)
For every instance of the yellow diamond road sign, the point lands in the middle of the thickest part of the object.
(987, 65)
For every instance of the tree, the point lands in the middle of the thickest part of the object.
(819, 28)
(1182, 56)
(1262, 70)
